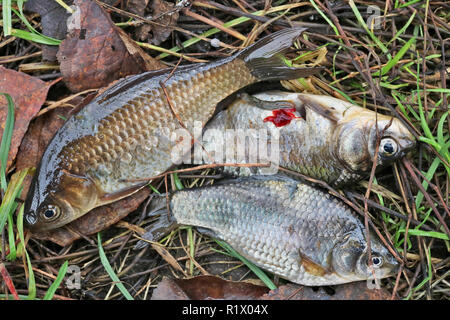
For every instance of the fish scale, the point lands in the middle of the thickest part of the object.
(122, 130)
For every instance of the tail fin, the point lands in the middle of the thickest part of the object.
(264, 61)
(164, 225)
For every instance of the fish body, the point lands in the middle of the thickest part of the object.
(125, 133)
(319, 136)
(287, 227)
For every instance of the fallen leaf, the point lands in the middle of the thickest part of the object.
(28, 94)
(96, 52)
(165, 254)
(206, 288)
(213, 288)
(167, 17)
(349, 291)
(53, 21)
(137, 6)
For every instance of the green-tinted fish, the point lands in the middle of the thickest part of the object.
(124, 134)
(287, 227)
(319, 136)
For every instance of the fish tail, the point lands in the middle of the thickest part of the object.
(163, 226)
(264, 57)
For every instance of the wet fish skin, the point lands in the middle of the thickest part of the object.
(331, 140)
(124, 134)
(287, 227)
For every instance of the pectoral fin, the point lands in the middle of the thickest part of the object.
(122, 193)
(267, 105)
(311, 266)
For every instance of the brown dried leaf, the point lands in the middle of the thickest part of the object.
(165, 254)
(348, 291)
(168, 17)
(96, 52)
(206, 288)
(53, 20)
(137, 6)
(28, 94)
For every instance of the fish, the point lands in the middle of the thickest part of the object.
(319, 136)
(124, 134)
(285, 226)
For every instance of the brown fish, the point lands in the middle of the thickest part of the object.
(124, 134)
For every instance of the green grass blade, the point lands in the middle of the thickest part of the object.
(430, 142)
(31, 279)
(50, 40)
(429, 175)
(257, 271)
(110, 270)
(403, 29)
(423, 121)
(432, 234)
(370, 33)
(11, 236)
(33, 37)
(61, 274)
(154, 189)
(440, 129)
(398, 98)
(438, 90)
(177, 181)
(406, 4)
(392, 62)
(346, 96)
(6, 140)
(6, 14)
(8, 201)
(336, 31)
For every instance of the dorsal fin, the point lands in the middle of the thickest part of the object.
(325, 111)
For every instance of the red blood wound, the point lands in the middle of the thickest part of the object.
(282, 117)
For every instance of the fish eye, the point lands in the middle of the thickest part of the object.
(388, 147)
(50, 212)
(376, 261)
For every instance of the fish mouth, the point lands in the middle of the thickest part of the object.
(406, 147)
(393, 266)
(30, 219)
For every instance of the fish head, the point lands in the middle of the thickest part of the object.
(52, 203)
(358, 134)
(351, 259)
(381, 261)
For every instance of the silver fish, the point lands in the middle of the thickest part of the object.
(319, 136)
(287, 227)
